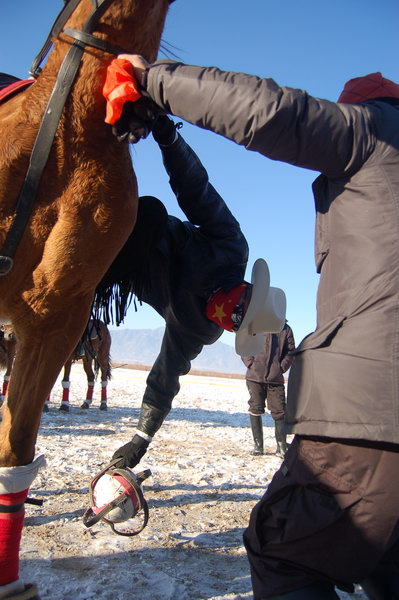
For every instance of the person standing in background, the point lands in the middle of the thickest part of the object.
(265, 383)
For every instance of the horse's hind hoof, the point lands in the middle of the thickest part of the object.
(64, 408)
(85, 405)
(30, 592)
(103, 406)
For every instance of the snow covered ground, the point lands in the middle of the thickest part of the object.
(204, 483)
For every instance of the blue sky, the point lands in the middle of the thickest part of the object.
(311, 45)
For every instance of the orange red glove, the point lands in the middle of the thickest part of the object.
(120, 86)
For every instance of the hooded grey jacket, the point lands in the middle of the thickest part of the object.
(344, 380)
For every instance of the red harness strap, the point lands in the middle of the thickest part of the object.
(12, 89)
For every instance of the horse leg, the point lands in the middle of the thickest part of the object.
(66, 382)
(87, 365)
(3, 365)
(37, 364)
(104, 384)
(10, 345)
(6, 379)
(104, 361)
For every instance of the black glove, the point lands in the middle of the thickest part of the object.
(164, 130)
(136, 121)
(131, 453)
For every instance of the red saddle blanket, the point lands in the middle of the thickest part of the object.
(10, 85)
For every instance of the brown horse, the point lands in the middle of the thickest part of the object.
(86, 201)
(95, 347)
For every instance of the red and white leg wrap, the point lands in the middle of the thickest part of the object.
(89, 393)
(14, 485)
(65, 392)
(104, 391)
(12, 512)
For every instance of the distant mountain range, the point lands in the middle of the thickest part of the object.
(141, 346)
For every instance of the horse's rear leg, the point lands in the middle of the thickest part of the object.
(43, 348)
(66, 384)
(105, 375)
(104, 399)
(88, 367)
(10, 345)
(104, 361)
(6, 379)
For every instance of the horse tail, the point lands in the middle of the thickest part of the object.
(96, 368)
(109, 368)
(102, 358)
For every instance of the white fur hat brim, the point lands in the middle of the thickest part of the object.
(265, 314)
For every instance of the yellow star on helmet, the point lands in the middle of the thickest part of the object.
(219, 313)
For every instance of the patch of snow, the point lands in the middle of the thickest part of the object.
(203, 486)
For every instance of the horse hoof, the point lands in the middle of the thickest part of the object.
(30, 592)
(85, 405)
(45, 408)
(64, 408)
(103, 406)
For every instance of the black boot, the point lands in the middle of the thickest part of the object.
(281, 438)
(257, 432)
(381, 586)
(317, 591)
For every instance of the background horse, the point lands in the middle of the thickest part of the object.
(95, 348)
(8, 344)
(86, 200)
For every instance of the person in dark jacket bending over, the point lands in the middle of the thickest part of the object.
(330, 516)
(191, 273)
(265, 382)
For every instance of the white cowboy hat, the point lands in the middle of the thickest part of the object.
(265, 313)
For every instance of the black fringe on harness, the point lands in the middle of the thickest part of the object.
(112, 302)
(139, 272)
(127, 283)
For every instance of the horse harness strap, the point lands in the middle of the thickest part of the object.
(93, 41)
(48, 127)
(56, 29)
(38, 159)
(62, 18)
(12, 89)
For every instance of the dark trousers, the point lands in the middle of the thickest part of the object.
(330, 514)
(272, 393)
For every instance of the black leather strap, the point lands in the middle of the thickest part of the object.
(48, 127)
(94, 42)
(40, 153)
(56, 29)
